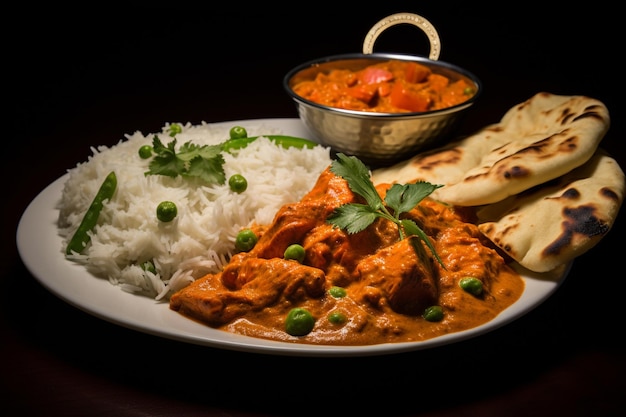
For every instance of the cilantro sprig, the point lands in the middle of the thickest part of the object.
(205, 162)
(400, 198)
(192, 161)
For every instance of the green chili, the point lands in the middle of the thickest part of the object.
(81, 236)
(282, 140)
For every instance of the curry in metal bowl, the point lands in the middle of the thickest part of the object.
(382, 107)
(383, 84)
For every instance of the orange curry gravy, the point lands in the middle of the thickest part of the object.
(387, 287)
(393, 86)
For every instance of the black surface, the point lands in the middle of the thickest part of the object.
(81, 79)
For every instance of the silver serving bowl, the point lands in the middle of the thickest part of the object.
(378, 139)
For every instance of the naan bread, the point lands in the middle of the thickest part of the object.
(536, 141)
(551, 224)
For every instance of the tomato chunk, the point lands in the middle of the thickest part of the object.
(375, 75)
(403, 97)
(365, 93)
(416, 73)
(438, 82)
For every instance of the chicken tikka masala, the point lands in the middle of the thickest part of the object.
(362, 288)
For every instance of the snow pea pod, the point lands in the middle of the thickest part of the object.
(281, 140)
(81, 236)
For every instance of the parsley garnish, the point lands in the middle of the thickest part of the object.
(356, 217)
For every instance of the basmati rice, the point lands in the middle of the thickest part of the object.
(200, 239)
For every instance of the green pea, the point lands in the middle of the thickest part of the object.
(245, 240)
(238, 132)
(299, 322)
(238, 183)
(166, 211)
(148, 266)
(336, 317)
(295, 252)
(472, 285)
(174, 129)
(145, 152)
(433, 313)
(337, 292)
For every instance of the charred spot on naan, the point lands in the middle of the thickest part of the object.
(594, 111)
(516, 171)
(552, 223)
(439, 163)
(432, 161)
(579, 224)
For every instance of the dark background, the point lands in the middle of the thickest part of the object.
(77, 79)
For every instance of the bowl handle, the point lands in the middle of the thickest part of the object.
(394, 19)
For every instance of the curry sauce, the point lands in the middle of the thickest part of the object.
(393, 86)
(387, 285)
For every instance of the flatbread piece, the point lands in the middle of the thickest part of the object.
(536, 141)
(551, 224)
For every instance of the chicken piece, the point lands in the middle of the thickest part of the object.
(337, 253)
(396, 277)
(293, 221)
(259, 283)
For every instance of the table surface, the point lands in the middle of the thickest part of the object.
(88, 81)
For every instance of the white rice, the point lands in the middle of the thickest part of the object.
(201, 238)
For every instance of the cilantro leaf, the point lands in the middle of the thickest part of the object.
(400, 198)
(210, 170)
(403, 198)
(165, 162)
(205, 162)
(353, 218)
(189, 151)
(358, 177)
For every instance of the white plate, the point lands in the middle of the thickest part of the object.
(41, 249)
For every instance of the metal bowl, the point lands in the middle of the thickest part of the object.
(379, 139)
